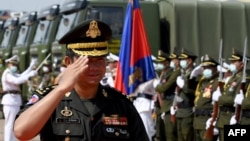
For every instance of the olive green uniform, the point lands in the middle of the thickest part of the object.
(245, 117)
(226, 102)
(167, 89)
(203, 106)
(184, 114)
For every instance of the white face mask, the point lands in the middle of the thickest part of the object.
(160, 66)
(62, 69)
(183, 64)
(233, 68)
(207, 73)
(45, 69)
(172, 65)
(13, 69)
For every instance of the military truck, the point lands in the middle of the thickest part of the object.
(1, 30)
(28, 25)
(11, 27)
(72, 13)
(49, 18)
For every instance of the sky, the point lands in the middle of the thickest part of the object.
(27, 5)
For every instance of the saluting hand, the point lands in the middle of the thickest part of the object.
(73, 71)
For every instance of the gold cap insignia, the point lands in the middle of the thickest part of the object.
(93, 30)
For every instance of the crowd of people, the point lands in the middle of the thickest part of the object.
(182, 103)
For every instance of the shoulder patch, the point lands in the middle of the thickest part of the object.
(45, 91)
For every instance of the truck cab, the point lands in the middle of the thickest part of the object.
(48, 18)
(28, 24)
(11, 29)
(72, 13)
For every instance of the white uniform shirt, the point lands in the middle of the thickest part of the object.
(12, 81)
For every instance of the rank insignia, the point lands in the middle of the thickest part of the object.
(66, 112)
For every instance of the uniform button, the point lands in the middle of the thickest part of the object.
(117, 133)
(67, 131)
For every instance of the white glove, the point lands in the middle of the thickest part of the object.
(180, 81)
(233, 120)
(156, 82)
(216, 94)
(239, 98)
(163, 115)
(32, 73)
(208, 123)
(196, 71)
(172, 110)
(33, 63)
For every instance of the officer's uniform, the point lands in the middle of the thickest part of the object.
(110, 116)
(109, 78)
(245, 116)
(12, 100)
(144, 105)
(184, 114)
(167, 88)
(203, 98)
(226, 100)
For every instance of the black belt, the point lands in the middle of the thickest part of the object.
(11, 92)
(145, 95)
(184, 105)
(227, 109)
(168, 97)
(203, 112)
(246, 113)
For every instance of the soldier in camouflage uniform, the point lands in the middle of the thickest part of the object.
(46, 76)
(166, 88)
(231, 88)
(203, 96)
(184, 100)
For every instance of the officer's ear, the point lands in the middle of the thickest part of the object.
(67, 60)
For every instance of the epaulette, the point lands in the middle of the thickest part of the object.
(44, 91)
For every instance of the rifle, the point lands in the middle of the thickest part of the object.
(210, 131)
(243, 82)
(176, 97)
(44, 60)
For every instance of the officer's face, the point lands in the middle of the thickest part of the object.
(95, 71)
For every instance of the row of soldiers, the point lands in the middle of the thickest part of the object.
(192, 99)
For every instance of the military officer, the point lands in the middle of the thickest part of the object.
(11, 101)
(203, 96)
(111, 68)
(46, 76)
(166, 89)
(184, 100)
(80, 108)
(231, 88)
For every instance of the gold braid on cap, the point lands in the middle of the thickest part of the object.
(92, 52)
(87, 45)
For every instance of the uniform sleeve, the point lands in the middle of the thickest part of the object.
(16, 80)
(170, 83)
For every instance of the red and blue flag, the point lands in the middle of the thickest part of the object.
(135, 64)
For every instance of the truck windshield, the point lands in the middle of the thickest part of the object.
(41, 32)
(113, 16)
(6, 38)
(65, 25)
(22, 36)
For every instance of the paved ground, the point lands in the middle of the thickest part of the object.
(2, 132)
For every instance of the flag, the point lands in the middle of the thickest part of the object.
(135, 64)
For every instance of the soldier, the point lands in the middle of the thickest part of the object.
(166, 90)
(80, 108)
(11, 101)
(184, 99)
(46, 76)
(111, 67)
(58, 77)
(231, 88)
(203, 96)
